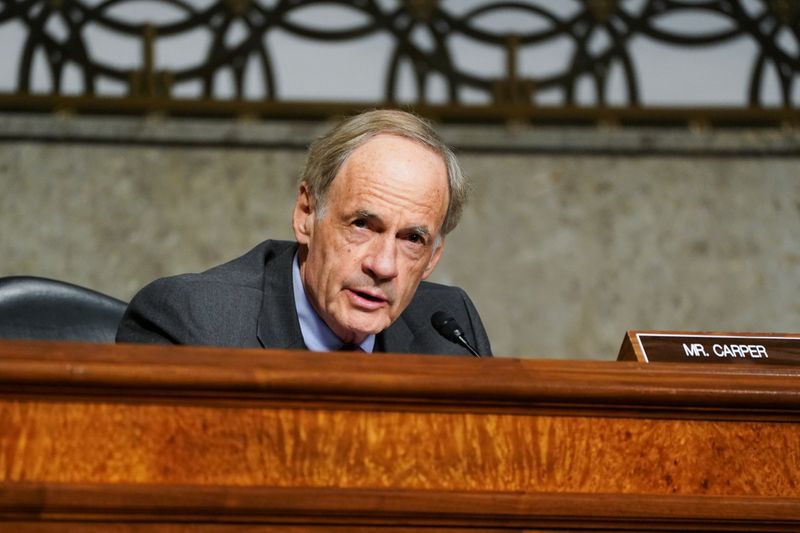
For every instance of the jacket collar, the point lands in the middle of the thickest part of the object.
(278, 326)
(397, 338)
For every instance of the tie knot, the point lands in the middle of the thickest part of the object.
(350, 348)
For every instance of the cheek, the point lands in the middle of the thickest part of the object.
(342, 265)
(408, 280)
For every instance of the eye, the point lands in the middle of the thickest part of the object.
(415, 238)
(360, 223)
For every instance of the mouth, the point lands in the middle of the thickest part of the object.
(366, 299)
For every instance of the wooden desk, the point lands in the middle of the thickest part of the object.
(205, 439)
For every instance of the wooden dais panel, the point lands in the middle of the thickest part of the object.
(127, 434)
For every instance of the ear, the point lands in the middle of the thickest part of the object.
(303, 215)
(437, 254)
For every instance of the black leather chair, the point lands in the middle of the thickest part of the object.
(40, 308)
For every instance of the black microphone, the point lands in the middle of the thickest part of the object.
(450, 330)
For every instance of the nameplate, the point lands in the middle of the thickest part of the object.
(714, 348)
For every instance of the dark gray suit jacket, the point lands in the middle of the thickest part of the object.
(249, 302)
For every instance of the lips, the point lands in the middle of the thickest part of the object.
(369, 296)
(366, 299)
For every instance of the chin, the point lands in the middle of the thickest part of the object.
(368, 327)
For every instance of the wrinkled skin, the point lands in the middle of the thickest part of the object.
(377, 237)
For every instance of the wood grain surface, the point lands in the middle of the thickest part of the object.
(498, 443)
(94, 442)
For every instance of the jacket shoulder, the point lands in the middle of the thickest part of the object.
(432, 297)
(218, 307)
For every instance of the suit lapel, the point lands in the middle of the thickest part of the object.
(278, 326)
(397, 338)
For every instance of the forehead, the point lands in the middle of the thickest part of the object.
(394, 165)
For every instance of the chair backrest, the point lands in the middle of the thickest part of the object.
(40, 308)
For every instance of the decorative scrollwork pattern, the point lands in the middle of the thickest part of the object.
(594, 41)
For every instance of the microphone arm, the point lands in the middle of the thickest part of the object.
(448, 328)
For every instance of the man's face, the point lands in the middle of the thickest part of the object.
(376, 237)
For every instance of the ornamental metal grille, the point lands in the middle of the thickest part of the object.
(465, 53)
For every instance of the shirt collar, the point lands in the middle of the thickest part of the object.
(317, 336)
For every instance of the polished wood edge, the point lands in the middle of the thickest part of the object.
(630, 350)
(138, 372)
(27, 501)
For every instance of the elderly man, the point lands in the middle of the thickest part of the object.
(378, 195)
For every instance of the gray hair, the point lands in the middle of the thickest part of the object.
(327, 154)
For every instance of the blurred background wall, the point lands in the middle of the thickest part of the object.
(661, 197)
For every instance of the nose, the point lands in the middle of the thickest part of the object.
(381, 260)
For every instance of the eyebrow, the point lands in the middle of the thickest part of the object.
(422, 231)
(363, 213)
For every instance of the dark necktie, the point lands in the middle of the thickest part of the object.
(350, 348)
